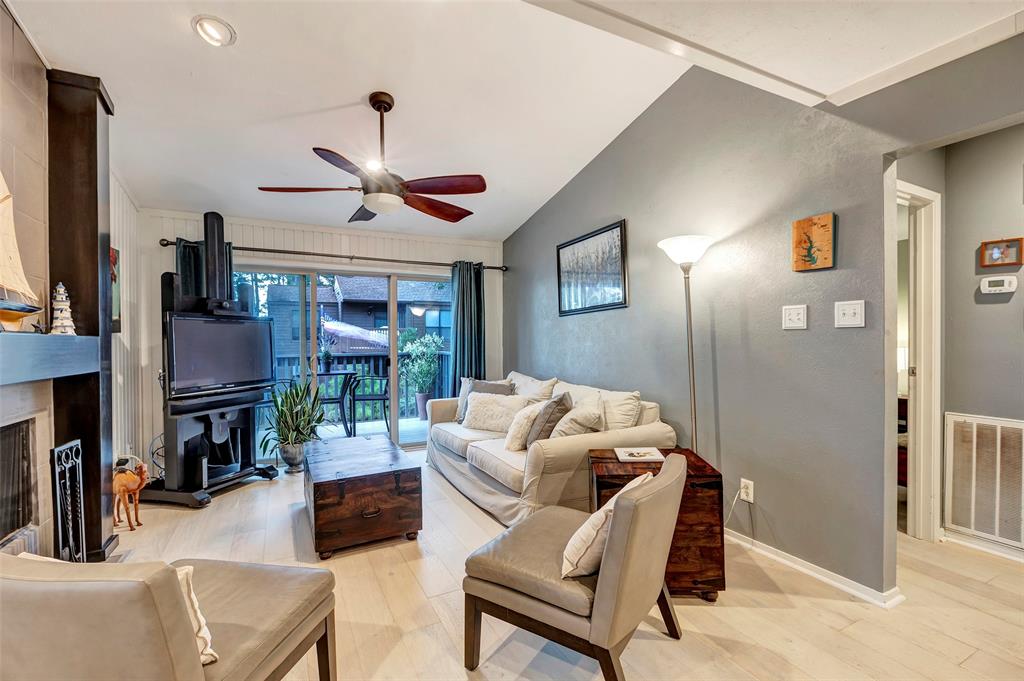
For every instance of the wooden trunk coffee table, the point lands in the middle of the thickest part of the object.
(360, 489)
(696, 561)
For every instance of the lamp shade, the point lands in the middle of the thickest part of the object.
(686, 249)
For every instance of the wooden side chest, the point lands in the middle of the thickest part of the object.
(696, 562)
(361, 489)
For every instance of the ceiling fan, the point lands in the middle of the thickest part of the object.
(384, 192)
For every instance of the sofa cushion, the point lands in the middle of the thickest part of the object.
(578, 393)
(551, 412)
(532, 387)
(621, 409)
(522, 424)
(456, 438)
(470, 385)
(585, 418)
(527, 558)
(491, 457)
(650, 412)
(493, 412)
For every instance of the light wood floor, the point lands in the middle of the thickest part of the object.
(399, 603)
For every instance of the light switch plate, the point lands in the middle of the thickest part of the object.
(794, 317)
(849, 313)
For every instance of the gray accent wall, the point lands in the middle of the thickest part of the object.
(984, 334)
(801, 413)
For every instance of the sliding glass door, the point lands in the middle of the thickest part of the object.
(379, 345)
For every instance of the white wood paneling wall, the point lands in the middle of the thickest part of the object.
(154, 260)
(126, 364)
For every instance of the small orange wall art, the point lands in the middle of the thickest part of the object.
(814, 242)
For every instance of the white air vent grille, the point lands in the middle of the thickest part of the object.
(985, 477)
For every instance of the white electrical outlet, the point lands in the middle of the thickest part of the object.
(794, 317)
(849, 313)
(747, 490)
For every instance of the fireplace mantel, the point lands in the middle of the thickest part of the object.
(28, 357)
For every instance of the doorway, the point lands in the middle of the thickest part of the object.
(919, 361)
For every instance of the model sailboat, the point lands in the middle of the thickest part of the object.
(13, 284)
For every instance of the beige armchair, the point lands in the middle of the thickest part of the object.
(129, 621)
(517, 576)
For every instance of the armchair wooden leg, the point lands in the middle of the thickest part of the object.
(473, 623)
(668, 613)
(610, 665)
(326, 655)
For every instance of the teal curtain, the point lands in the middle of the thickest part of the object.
(467, 322)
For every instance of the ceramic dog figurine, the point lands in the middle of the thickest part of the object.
(128, 484)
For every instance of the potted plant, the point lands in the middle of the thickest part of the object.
(420, 369)
(295, 413)
(326, 358)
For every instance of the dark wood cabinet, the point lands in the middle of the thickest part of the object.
(696, 562)
(359, 490)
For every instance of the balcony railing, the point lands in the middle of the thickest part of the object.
(369, 364)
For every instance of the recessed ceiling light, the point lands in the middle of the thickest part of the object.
(214, 30)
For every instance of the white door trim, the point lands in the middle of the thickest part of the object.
(924, 451)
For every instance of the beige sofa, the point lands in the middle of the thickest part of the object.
(512, 485)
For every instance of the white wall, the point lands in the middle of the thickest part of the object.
(126, 349)
(154, 260)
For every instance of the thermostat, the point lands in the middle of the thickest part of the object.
(1003, 284)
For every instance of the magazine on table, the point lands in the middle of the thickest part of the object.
(632, 454)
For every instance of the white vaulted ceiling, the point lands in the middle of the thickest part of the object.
(518, 94)
(525, 93)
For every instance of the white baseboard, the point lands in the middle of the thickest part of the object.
(883, 599)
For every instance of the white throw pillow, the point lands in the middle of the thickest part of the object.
(579, 420)
(579, 393)
(195, 615)
(621, 409)
(519, 430)
(532, 387)
(204, 642)
(485, 411)
(585, 549)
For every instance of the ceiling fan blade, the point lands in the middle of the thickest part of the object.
(447, 184)
(362, 215)
(435, 208)
(297, 190)
(339, 161)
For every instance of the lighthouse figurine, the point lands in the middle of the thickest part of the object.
(62, 322)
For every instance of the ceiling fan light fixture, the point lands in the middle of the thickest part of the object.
(382, 203)
(214, 30)
(373, 165)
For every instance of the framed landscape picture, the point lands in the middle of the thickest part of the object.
(592, 271)
(814, 243)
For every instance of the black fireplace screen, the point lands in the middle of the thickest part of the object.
(15, 477)
(69, 525)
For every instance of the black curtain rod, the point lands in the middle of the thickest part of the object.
(280, 251)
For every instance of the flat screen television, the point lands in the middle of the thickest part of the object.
(217, 354)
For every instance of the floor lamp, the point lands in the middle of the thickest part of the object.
(684, 251)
